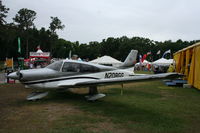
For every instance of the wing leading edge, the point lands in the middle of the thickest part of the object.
(140, 78)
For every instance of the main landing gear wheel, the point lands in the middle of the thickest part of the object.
(36, 95)
(93, 94)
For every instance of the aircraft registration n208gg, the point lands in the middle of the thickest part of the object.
(70, 74)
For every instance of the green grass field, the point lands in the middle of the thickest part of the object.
(145, 107)
(144, 72)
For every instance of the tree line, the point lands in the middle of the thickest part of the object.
(23, 27)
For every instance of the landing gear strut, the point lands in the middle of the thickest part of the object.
(94, 94)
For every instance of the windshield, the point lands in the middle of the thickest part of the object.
(77, 67)
(55, 66)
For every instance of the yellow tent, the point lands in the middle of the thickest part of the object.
(188, 63)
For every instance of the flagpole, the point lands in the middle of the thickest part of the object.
(20, 59)
(170, 55)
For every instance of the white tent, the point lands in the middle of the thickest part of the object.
(107, 60)
(144, 63)
(163, 62)
(171, 61)
(39, 51)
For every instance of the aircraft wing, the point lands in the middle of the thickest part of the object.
(140, 78)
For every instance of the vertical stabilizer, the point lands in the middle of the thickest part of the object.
(130, 59)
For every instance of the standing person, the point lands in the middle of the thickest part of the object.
(171, 68)
(31, 65)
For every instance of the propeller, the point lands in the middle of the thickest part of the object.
(19, 74)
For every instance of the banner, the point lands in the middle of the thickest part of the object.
(44, 54)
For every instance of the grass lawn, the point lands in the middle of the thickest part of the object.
(144, 72)
(144, 107)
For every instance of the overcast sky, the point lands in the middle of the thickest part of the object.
(94, 20)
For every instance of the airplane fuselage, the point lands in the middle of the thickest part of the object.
(67, 71)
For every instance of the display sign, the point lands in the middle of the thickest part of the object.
(9, 62)
(35, 54)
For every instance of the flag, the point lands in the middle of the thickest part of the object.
(166, 52)
(158, 52)
(148, 53)
(19, 45)
(144, 57)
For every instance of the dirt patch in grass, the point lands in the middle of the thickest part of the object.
(143, 107)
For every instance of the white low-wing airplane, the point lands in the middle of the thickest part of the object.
(70, 74)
